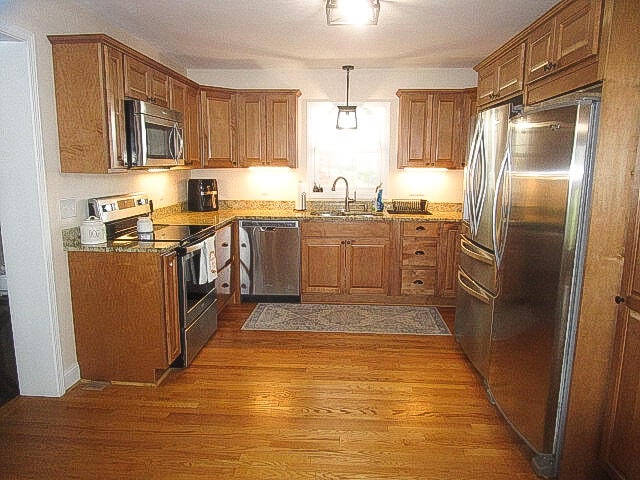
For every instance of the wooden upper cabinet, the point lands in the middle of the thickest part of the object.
(432, 126)
(568, 37)
(184, 98)
(145, 83)
(267, 128)
(218, 128)
(89, 105)
(503, 77)
(448, 248)
(281, 135)
(252, 131)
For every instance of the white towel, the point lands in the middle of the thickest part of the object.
(208, 267)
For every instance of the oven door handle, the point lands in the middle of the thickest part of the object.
(191, 248)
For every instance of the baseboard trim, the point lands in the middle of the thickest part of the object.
(71, 376)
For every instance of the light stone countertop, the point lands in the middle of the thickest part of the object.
(224, 216)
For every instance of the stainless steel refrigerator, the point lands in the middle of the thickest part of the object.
(540, 218)
(477, 271)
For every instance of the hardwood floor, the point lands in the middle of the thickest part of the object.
(261, 405)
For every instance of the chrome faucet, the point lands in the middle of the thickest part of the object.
(347, 200)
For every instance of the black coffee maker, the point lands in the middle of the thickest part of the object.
(203, 194)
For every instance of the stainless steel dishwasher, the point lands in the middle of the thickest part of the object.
(269, 261)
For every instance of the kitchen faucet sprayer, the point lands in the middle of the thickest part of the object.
(347, 200)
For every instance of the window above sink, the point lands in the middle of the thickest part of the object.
(361, 155)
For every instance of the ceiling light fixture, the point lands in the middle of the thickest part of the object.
(353, 12)
(347, 118)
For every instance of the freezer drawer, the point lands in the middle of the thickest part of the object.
(479, 265)
(474, 318)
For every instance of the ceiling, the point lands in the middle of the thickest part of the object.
(256, 34)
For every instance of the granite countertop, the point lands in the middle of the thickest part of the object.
(262, 210)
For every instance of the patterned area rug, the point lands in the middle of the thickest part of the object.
(298, 317)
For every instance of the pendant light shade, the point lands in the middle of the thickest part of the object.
(353, 12)
(347, 118)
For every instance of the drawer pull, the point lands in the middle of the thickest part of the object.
(225, 244)
(420, 228)
(418, 282)
(419, 252)
(225, 285)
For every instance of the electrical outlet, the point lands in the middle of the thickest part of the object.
(67, 208)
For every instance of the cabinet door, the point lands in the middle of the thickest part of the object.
(171, 307)
(281, 130)
(367, 267)
(448, 260)
(469, 111)
(415, 130)
(191, 128)
(622, 424)
(487, 84)
(145, 83)
(322, 265)
(540, 50)
(577, 32)
(177, 95)
(510, 72)
(218, 119)
(251, 130)
(114, 89)
(446, 124)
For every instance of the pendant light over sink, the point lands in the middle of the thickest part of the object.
(347, 118)
(353, 12)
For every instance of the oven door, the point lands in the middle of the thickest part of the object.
(196, 293)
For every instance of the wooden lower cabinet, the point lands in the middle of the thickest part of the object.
(227, 264)
(125, 314)
(427, 262)
(345, 262)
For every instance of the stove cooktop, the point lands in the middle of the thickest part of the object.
(182, 234)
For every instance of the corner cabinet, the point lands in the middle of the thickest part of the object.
(432, 127)
(345, 262)
(266, 128)
(130, 332)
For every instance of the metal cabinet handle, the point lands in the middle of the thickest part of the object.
(225, 244)
(419, 252)
(225, 284)
(619, 299)
(418, 282)
(420, 228)
(244, 245)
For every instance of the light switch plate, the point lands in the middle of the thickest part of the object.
(67, 208)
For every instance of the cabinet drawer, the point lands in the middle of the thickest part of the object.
(420, 281)
(223, 246)
(223, 282)
(421, 229)
(419, 252)
(345, 229)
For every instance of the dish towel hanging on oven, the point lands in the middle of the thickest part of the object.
(208, 268)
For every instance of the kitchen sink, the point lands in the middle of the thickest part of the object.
(342, 213)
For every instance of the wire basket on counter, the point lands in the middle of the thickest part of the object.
(409, 206)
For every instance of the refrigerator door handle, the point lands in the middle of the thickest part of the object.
(502, 203)
(476, 176)
(470, 250)
(472, 288)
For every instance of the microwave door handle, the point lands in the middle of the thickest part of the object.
(179, 139)
(171, 143)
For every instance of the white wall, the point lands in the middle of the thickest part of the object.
(329, 84)
(61, 17)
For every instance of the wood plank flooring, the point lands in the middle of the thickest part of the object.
(263, 405)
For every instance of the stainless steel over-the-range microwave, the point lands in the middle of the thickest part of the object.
(154, 135)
